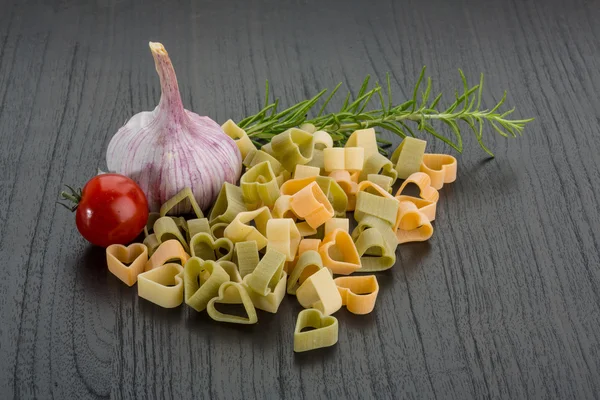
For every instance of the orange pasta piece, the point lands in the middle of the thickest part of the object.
(312, 204)
(339, 253)
(135, 256)
(441, 168)
(167, 251)
(359, 293)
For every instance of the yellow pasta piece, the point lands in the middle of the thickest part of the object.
(172, 205)
(337, 223)
(366, 139)
(378, 164)
(167, 251)
(423, 181)
(203, 246)
(441, 168)
(359, 293)
(267, 148)
(339, 253)
(267, 273)
(165, 229)
(414, 226)
(292, 147)
(197, 225)
(344, 158)
(151, 243)
(383, 181)
(308, 127)
(334, 159)
(283, 208)
(312, 204)
(322, 140)
(305, 171)
(324, 334)
(270, 302)
(126, 263)
(375, 253)
(354, 159)
(246, 257)
(344, 179)
(240, 231)
(229, 203)
(308, 263)
(202, 280)
(162, 286)
(283, 236)
(408, 156)
(259, 186)
(227, 295)
(319, 291)
(218, 229)
(305, 229)
(239, 136)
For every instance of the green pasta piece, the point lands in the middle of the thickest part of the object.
(202, 280)
(292, 147)
(318, 160)
(378, 164)
(267, 273)
(382, 226)
(225, 296)
(383, 257)
(229, 203)
(380, 207)
(165, 229)
(173, 203)
(270, 302)
(231, 269)
(152, 243)
(259, 186)
(149, 228)
(203, 245)
(218, 229)
(258, 156)
(181, 224)
(335, 194)
(324, 334)
(409, 156)
(385, 182)
(197, 225)
(309, 260)
(246, 256)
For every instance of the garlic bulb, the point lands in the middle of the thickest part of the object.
(170, 148)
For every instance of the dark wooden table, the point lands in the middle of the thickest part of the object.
(503, 301)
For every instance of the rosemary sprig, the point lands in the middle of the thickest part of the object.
(419, 111)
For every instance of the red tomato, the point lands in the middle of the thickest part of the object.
(112, 210)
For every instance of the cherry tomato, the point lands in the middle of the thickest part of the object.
(112, 210)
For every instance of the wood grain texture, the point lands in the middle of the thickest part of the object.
(503, 302)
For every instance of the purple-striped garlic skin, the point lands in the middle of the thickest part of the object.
(170, 148)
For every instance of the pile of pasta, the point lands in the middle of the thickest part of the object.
(285, 229)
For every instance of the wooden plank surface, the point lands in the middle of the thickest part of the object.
(503, 301)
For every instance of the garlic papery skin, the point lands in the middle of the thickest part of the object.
(170, 148)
